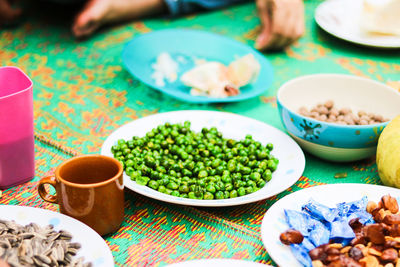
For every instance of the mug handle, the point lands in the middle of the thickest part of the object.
(44, 194)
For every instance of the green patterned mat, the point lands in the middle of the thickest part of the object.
(82, 93)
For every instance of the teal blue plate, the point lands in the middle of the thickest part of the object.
(140, 53)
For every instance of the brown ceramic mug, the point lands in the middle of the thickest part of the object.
(89, 188)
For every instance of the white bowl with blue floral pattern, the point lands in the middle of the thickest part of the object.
(333, 141)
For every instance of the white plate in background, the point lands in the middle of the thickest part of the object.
(341, 19)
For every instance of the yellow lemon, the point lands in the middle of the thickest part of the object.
(388, 154)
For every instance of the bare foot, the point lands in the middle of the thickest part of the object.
(100, 12)
(7, 13)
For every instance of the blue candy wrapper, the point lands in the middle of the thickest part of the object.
(319, 233)
(319, 224)
(298, 220)
(301, 254)
(341, 229)
(307, 244)
(346, 209)
(319, 211)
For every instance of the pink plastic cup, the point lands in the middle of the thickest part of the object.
(17, 152)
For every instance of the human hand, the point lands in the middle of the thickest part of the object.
(7, 13)
(3, 263)
(282, 23)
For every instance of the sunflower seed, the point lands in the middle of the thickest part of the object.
(32, 245)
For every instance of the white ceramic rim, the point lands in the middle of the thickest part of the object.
(295, 154)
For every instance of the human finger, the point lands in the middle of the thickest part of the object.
(263, 8)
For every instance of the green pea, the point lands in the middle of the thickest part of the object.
(121, 142)
(233, 194)
(262, 154)
(161, 189)
(208, 195)
(191, 195)
(129, 171)
(168, 191)
(226, 194)
(219, 195)
(220, 170)
(267, 175)
(175, 193)
(172, 185)
(186, 172)
(184, 195)
(241, 191)
(232, 165)
(245, 170)
(202, 174)
(153, 184)
(192, 188)
(251, 183)
(201, 182)
(184, 188)
(244, 160)
(220, 186)
(255, 176)
(230, 143)
(269, 146)
(142, 180)
(211, 188)
(228, 186)
(261, 184)
(272, 165)
(212, 172)
(226, 179)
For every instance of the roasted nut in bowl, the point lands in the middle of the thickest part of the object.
(331, 140)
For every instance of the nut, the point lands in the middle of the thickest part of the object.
(356, 253)
(380, 215)
(392, 219)
(335, 245)
(370, 261)
(329, 104)
(291, 237)
(318, 253)
(375, 234)
(371, 206)
(389, 255)
(317, 263)
(390, 203)
(345, 249)
(374, 252)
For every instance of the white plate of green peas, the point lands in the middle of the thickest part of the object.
(205, 158)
